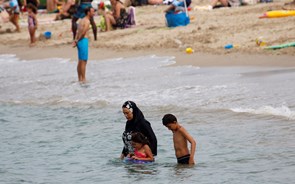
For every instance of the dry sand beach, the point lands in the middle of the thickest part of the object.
(207, 34)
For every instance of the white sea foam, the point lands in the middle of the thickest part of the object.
(282, 111)
(149, 80)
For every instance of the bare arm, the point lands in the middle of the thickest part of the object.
(148, 152)
(117, 11)
(192, 142)
(36, 21)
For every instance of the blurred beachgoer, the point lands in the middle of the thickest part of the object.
(146, 2)
(33, 2)
(65, 11)
(180, 139)
(117, 17)
(51, 5)
(14, 14)
(4, 16)
(32, 22)
(289, 6)
(155, 2)
(220, 3)
(177, 5)
(225, 3)
(136, 123)
(81, 41)
(80, 14)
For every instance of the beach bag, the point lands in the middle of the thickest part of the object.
(179, 19)
(131, 17)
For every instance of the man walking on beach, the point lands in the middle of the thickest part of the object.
(81, 41)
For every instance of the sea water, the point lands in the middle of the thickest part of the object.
(55, 130)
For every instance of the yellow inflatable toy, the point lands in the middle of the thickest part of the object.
(278, 14)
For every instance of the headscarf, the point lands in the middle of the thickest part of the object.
(138, 124)
(138, 116)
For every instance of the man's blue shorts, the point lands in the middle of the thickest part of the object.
(81, 10)
(82, 46)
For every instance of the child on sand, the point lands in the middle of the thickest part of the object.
(180, 139)
(142, 150)
(32, 22)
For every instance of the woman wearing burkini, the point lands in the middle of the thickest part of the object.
(136, 123)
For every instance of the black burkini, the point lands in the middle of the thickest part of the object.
(137, 124)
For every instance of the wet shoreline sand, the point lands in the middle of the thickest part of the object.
(207, 34)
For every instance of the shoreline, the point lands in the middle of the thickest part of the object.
(181, 58)
(207, 34)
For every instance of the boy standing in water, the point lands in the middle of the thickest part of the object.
(180, 139)
(81, 41)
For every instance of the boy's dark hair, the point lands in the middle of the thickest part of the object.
(169, 118)
(33, 8)
(139, 138)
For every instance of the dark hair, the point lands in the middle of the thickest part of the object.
(139, 138)
(86, 10)
(32, 7)
(168, 119)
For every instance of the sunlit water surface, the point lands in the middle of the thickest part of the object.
(55, 130)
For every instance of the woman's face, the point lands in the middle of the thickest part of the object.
(128, 114)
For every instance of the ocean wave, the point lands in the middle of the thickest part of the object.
(282, 111)
(59, 103)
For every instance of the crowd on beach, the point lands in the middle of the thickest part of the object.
(115, 14)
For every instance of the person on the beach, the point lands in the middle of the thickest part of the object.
(142, 151)
(289, 6)
(225, 3)
(117, 18)
(146, 2)
(80, 14)
(219, 4)
(180, 139)
(66, 10)
(32, 22)
(14, 14)
(33, 2)
(176, 5)
(136, 123)
(52, 6)
(81, 41)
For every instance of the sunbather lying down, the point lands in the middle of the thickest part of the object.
(289, 6)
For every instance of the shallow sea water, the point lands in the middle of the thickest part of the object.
(54, 130)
